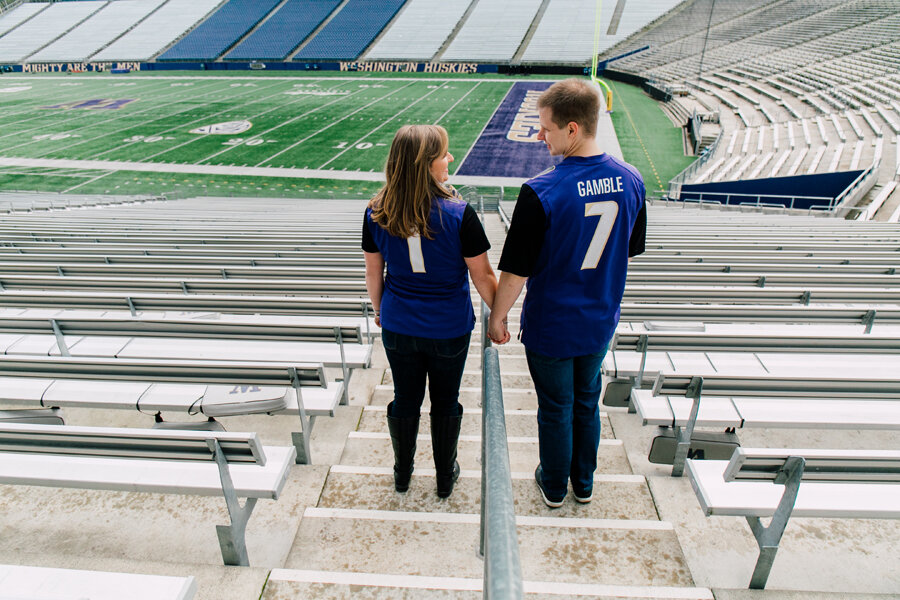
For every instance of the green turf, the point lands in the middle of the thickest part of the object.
(306, 121)
(648, 139)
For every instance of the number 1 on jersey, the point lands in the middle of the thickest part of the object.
(416, 258)
(607, 212)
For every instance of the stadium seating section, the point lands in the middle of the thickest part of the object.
(494, 30)
(158, 30)
(286, 29)
(420, 30)
(96, 32)
(350, 30)
(218, 33)
(44, 27)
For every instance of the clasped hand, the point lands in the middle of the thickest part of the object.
(497, 330)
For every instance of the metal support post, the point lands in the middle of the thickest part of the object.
(769, 537)
(369, 336)
(301, 438)
(643, 342)
(683, 434)
(339, 337)
(869, 320)
(232, 538)
(60, 340)
(131, 307)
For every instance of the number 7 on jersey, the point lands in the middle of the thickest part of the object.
(607, 211)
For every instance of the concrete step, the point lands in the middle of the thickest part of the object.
(553, 549)
(372, 488)
(469, 397)
(374, 449)
(519, 423)
(297, 583)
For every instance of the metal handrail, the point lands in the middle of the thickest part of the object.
(499, 545)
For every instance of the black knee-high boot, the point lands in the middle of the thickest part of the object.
(403, 437)
(444, 438)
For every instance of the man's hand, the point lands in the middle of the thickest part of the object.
(497, 329)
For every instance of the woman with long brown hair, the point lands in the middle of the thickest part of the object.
(430, 240)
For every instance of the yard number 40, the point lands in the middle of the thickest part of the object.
(607, 211)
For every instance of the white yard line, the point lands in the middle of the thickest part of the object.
(333, 123)
(449, 110)
(92, 180)
(383, 123)
(306, 114)
(204, 118)
(226, 170)
(76, 116)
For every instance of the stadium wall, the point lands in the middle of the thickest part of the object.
(374, 67)
(792, 192)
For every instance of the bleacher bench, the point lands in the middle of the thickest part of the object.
(694, 391)
(43, 583)
(785, 483)
(205, 463)
(211, 388)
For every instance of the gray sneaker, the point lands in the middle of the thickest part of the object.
(538, 478)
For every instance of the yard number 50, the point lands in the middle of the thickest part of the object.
(607, 212)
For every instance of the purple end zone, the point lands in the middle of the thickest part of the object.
(508, 146)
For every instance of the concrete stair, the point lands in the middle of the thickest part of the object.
(364, 540)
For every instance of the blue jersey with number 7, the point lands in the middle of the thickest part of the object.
(572, 303)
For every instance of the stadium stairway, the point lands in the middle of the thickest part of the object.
(363, 536)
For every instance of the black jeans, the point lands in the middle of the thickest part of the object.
(412, 358)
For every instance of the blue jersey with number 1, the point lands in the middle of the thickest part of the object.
(572, 304)
(426, 290)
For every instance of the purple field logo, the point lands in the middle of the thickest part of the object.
(526, 125)
(97, 104)
(508, 145)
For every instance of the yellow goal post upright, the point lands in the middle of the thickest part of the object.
(595, 57)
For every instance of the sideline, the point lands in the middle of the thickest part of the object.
(111, 165)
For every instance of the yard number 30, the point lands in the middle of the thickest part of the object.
(607, 212)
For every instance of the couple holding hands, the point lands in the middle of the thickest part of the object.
(573, 230)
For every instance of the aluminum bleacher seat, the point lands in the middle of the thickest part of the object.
(97, 31)
(220, 31)
(420, 30)
(494, 30)
(351, 30)
(284, 30)
(156, 31)
(45, 27)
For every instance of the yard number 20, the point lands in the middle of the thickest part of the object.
(607, 212)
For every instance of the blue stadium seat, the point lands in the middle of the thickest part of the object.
(215, 35)
(287, 28)
(351, 30)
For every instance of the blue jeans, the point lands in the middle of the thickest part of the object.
(412, 358)
(568, 391)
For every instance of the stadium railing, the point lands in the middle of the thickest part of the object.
(499, 546)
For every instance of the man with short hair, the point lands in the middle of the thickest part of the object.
(573, 231)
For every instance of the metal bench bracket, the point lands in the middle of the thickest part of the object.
(232, 538)
(301, 438)
(768, 537)
(683, 434)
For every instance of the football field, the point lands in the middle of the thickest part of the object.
(122, 134)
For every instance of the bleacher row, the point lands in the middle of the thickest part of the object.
(187, 364)
(558, 31)
(797, 87)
